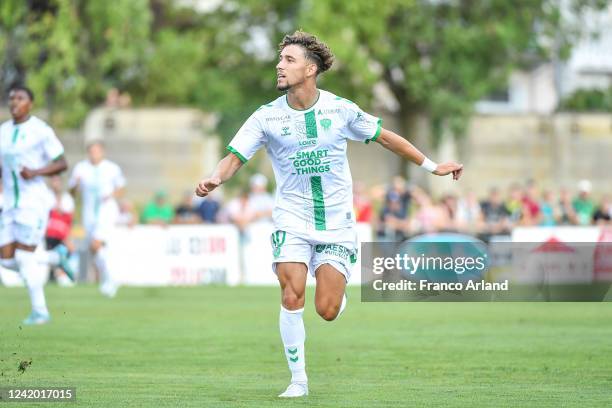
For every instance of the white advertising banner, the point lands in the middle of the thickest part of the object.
(562, 254)
(564, 234)
(147, 255)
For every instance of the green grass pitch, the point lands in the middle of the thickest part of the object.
(219, 346)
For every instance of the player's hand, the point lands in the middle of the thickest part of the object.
(449, 167)
(207, 185)
(28, 174)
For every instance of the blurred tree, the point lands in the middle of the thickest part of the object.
(439, 57)
(212, 59)
(588, 100)
(435, 57)
(70, 51)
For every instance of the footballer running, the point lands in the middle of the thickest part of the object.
(305, 132)
(29, 151)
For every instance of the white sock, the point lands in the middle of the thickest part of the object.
(293, 334)
(107, 283)
(10, 263)
(34, 278)
(51, 258)
(100, 261)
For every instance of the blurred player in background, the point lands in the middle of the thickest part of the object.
(30, 151)
(101, 183)
(305, 133)
(59, 225)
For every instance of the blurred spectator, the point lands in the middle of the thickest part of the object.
(208, 209)
(514, 204)
(238, 211)
(158, 211)
(125, 100)
(496, 216)
(361, 203)
(603, 215)
(469, 215)
(399, 187)
(185, 212)
(583, 205)
(567, 215)
(428, 217)
(449, 205)
(126, 217)
(531, 207)
(112, 98)
(261, 203)
(60, 224)
(254, 205)
(393, 221)
(116, 99)
(550, 213)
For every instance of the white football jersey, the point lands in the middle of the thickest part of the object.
(97, 183)
(308, 153)
(32, 144)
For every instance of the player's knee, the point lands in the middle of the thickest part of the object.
(328, 310)
(292, 301)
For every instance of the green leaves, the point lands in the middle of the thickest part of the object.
(435, 57)
(71, 52)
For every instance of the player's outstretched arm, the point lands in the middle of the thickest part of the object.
(404, 148)
(226, 168)
(55, 167)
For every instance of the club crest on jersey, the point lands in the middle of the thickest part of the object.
(325, 123)
(286, 131)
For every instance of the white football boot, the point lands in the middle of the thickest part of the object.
(295, 390)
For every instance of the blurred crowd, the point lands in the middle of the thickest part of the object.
(252, 204)
(396, 212)
(400, 210)
(409, 210)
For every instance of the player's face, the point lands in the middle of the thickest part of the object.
(293, 67)
(95, 153)
(19, 104)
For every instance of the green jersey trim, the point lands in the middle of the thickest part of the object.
(14, 175)
(58, 156)
(378, 131)
(302, 110)
(15, 188)
(311, 124)
(241, 157)
(319, 204)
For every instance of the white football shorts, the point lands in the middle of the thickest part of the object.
(23, 225)
(337, 248)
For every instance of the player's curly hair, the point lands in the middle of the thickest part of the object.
(316, 51)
